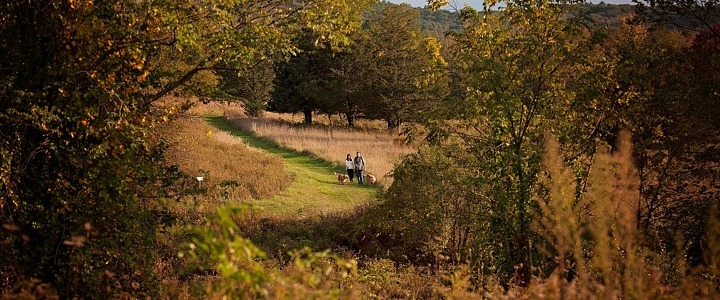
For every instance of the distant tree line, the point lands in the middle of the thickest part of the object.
(390, 71)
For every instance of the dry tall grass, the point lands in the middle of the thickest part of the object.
(333, 120)
(598, 250)
(613, 263)
(232, 172)
(380, 150)
(194, 106)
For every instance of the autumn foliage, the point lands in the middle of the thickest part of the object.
(555, 157)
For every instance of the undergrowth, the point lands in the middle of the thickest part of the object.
(591, 242)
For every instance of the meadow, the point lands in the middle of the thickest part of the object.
(197, 149)
(292, 200)
(229, 168)
(380, 149)
(287, 223)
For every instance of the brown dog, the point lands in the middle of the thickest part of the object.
(342, 178)
(370, 179)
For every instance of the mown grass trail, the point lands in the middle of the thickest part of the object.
(314, 190)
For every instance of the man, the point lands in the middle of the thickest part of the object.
(359, 167)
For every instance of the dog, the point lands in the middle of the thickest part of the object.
(342, 178)
(370, 179)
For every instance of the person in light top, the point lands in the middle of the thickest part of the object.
(350, 166)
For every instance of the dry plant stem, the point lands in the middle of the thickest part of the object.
(603, 246)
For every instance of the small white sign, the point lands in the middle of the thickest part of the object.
(199, 178)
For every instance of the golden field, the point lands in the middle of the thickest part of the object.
(381, 150)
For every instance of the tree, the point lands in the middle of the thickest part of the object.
(523, 66)
(677, 130)
(349, 78)
(80, 86)
(253, 87)
(387, 71)
(407, 72)
(673, 117)
(525, 71)
(301, 82)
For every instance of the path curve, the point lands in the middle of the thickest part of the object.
(314, 191)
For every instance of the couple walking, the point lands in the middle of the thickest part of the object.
(355, 167)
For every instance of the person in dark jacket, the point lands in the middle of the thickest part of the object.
(359, 163)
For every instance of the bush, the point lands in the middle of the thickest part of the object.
(218, 246)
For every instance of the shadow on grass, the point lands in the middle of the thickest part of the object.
(278, 236)
(349, 234)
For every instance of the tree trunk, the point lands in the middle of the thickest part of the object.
(393, 124)
(308, 116)
(524, 230)
(350, 119)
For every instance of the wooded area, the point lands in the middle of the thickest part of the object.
(564, 149)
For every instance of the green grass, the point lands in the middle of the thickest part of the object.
(314, 191)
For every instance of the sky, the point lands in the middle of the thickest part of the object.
(478, 3)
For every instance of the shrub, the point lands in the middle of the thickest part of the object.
(242, 274)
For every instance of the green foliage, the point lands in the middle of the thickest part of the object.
(302, 83)
(431, 210)
(523, 65)
(438, 23)
(538, 67)
(673, 118)
(232, 256)
(389, 72)
(69, 115)
(252, 87)
(433, 22)
(80, 85)
(434, 5)
(81, 82)
(406, 74)
(520, 72)
(244, 274)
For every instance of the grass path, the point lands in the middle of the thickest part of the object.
(315, 189)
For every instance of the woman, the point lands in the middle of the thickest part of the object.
(350, 166)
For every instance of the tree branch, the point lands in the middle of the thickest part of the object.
(173, 85)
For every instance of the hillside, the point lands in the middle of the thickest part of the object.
(438, 23)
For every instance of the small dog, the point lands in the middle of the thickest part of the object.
(370, 179)
(342, 178)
